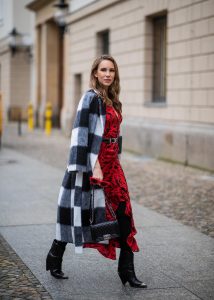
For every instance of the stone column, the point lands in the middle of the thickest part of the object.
(49, 70)
(42, 73)
(37, 75)
(67, 108)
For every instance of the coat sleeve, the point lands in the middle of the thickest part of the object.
(78, 154)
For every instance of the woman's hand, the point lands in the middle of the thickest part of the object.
(97, 172)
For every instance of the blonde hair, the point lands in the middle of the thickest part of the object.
(112, 96)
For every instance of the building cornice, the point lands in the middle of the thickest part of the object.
(44, 10)
(90, 9)
(38, 4)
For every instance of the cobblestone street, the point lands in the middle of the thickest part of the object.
(179, 192)
(16, 280)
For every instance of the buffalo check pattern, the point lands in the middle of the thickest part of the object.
(74, 196)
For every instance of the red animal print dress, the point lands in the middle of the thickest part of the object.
(117, 190)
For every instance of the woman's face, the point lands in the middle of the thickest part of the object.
(105, 73)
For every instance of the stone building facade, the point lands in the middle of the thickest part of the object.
(16, 24)
(165, 53)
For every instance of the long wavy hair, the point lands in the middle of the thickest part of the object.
(111, 97)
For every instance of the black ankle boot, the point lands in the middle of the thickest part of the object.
(54, 260)
(126, 270)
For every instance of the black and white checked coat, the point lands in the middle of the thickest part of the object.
(74, 197)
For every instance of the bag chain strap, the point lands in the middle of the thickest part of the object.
(92, 208)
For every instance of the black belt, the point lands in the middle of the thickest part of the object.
(110, 140)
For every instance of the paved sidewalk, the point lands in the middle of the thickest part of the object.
(176, 261)
(178, 192)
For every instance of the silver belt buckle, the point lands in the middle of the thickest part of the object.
(106, 236)
(113, 140)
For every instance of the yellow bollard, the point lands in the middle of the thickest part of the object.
(30, 117)
(48, 118)
(1, 118)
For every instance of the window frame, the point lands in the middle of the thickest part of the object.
(103, 42)
(150, 98)
(159, 59)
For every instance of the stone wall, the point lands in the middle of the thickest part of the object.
(181, 129)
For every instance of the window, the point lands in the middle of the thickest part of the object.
(103, 42)
(159, 59)
(155, 81)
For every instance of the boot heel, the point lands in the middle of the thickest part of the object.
(123, 278)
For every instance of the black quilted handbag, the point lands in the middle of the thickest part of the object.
(105, 230)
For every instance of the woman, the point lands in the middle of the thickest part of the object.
(94, 158)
